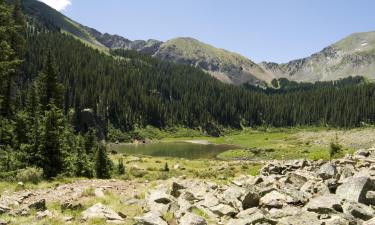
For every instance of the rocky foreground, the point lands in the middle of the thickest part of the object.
(295, 192)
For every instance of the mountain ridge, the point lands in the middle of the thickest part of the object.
(353, 55)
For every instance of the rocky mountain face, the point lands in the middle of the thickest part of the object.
(224, 65)
(116, 42)
(352, 56)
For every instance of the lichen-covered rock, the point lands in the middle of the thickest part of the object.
(102, 212)
(192, 219)
(355, 189)
(150, 218)
(325, 204)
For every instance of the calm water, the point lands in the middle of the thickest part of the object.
(175, 149)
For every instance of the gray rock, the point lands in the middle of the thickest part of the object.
(325, 204)
(44, 214)
(370, 196)
(250, 199)
(244, 181)
(274, 199)
(355, 189)
(359, 210)
(370, 222)
(223, 210)
(4, 209)
(99, 193)
(102, 212)
(192, 219)
(362, 152)
(232, 196)
(315, 187)
(209, 201)
(71, 205)
(3, 222)
(257, 217)
(176, 189)
(302, 218)
(327, 171)
(39, 205)
(160, 197)
(150, 218)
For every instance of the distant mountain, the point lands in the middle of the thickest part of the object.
(224, 65)
(352, 56)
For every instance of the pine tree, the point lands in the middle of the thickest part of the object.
(166, 167)
(49, 87)
(103, 165)
(83, 164)
(90, 141)
(51, 149)
(121, 167)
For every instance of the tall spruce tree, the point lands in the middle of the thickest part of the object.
(51, 149)
(49, 87)
(103, 165)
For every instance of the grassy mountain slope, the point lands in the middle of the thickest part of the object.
(351, 56)
(222, 64)
(47, 17)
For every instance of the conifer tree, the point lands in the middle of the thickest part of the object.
(83, 164)
(121, 167)
(103, 164)
(51, 149)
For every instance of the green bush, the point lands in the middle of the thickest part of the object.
(30, 175)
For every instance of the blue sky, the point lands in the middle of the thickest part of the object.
(270, 30)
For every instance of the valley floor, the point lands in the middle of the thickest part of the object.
(125, 197)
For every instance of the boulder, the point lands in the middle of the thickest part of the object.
(370, 222)
(101, 212)
(301, 218)
(256, 217)
(176, 189)
(3, 222)
(192, 219)
(44, 214)
(99, 193)
(325, 204)
(71, 205)
(232, 196)
(4, 209)
(150, 218)
(209, 201)
(327, 171)
(362, 152)
(359, 210)
(223, 210)
(244, 181)
(39, 205)
(355, 189)
(274, 199)
(160, 197)
(250, 199)
(315, 187)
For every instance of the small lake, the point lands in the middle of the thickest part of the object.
(174, 149)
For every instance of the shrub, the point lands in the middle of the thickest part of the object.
(136, 172)
(121, 167)
(30, 174)
(334, 147)
(166, 167)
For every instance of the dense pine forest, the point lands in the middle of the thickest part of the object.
(50, 82)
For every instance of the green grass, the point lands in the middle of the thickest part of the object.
(271, 143)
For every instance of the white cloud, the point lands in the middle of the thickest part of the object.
(58, 4)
